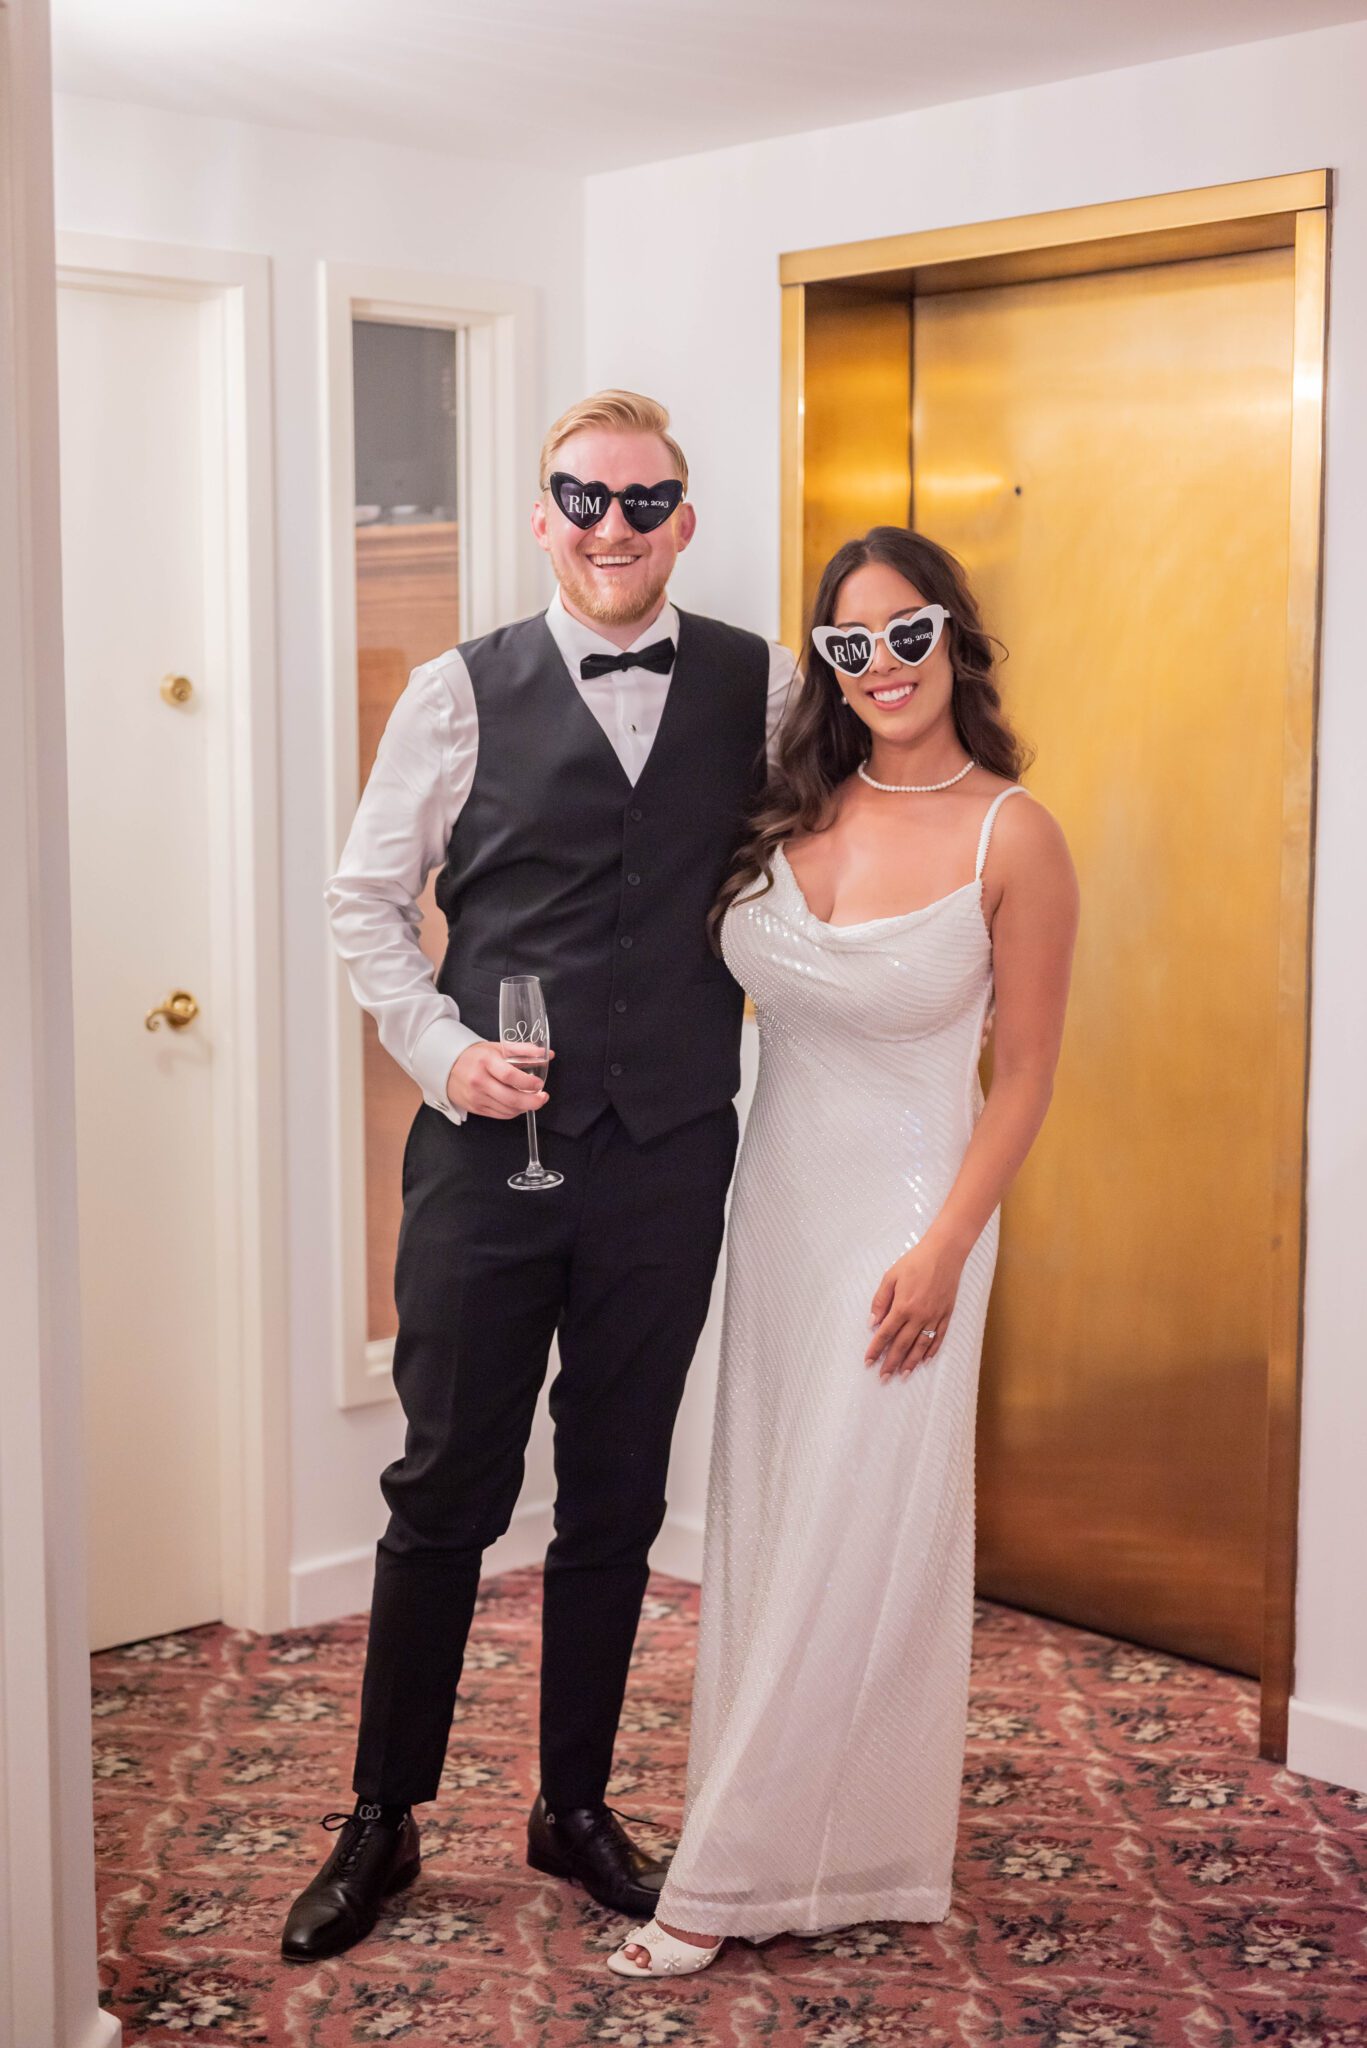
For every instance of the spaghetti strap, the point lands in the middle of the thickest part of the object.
(1016, 789)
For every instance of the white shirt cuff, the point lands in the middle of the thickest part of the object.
(434, 1055)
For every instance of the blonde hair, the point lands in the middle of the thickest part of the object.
(618, 411)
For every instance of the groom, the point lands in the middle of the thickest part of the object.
(579, 779)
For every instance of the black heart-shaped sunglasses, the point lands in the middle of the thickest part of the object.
(644, 506)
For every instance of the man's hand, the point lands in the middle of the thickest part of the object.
(486, 1081)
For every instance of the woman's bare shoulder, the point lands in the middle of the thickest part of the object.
(1027, 839)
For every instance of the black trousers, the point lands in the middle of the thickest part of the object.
(618, 1263)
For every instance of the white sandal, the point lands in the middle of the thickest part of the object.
(669, 1957)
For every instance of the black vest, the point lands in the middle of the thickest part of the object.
(559, 867)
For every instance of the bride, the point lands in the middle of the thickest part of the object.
(889, 897)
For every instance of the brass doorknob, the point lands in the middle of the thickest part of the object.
(177, 689)
(179, 1009)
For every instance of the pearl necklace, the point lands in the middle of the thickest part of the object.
(914, 788)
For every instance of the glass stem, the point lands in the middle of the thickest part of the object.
(534, 1165)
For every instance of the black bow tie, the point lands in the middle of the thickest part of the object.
(659, 657)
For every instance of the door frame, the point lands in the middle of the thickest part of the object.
(49, 1990)
(245, 994)
(497, 439)
(1292, 212)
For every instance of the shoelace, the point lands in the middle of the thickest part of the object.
(639, 1818)
(334, 1821)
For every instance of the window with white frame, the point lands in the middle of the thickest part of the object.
(432, 431)
(405, 381)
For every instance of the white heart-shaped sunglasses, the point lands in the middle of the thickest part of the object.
(909, 640)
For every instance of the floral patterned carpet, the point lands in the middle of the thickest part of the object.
(1129, 1874)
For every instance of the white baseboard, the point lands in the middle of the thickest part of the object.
(101, 2031)
(677, 1550)
(329, 1588)
(1328, 1743)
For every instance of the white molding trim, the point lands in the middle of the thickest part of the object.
(1328, 1743)
(246, 994)
(496, 449)
(48, 1981)
(326, 1589)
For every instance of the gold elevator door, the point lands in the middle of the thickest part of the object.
(1109, 457)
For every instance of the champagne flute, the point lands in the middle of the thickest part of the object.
(525, 1034)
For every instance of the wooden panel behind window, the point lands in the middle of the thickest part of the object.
(407, 611)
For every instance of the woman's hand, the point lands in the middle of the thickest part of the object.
(915, 1295)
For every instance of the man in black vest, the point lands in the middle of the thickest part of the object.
(580, 780)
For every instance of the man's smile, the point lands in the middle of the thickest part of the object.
(613, 561)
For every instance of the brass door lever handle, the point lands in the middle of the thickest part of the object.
(179, 1009)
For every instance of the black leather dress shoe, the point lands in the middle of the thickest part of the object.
(589, 1845)
(343, 1902)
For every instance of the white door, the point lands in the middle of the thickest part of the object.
(137, 454)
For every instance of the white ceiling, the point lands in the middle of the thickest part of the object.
(588, 85)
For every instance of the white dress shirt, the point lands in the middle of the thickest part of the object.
(423, 774)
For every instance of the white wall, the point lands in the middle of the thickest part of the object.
(702, 332)
(131, 171)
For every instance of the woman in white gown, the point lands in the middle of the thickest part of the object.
(890, 894)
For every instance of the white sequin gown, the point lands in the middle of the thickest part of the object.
(831, 1689)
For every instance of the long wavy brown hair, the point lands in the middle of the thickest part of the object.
(821, 742)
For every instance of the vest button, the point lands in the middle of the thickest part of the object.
(625, 939)
(633, 881)
(616, 1067)
(619, 1006)
(635, 815)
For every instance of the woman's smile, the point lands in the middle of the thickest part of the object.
(890, 694)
